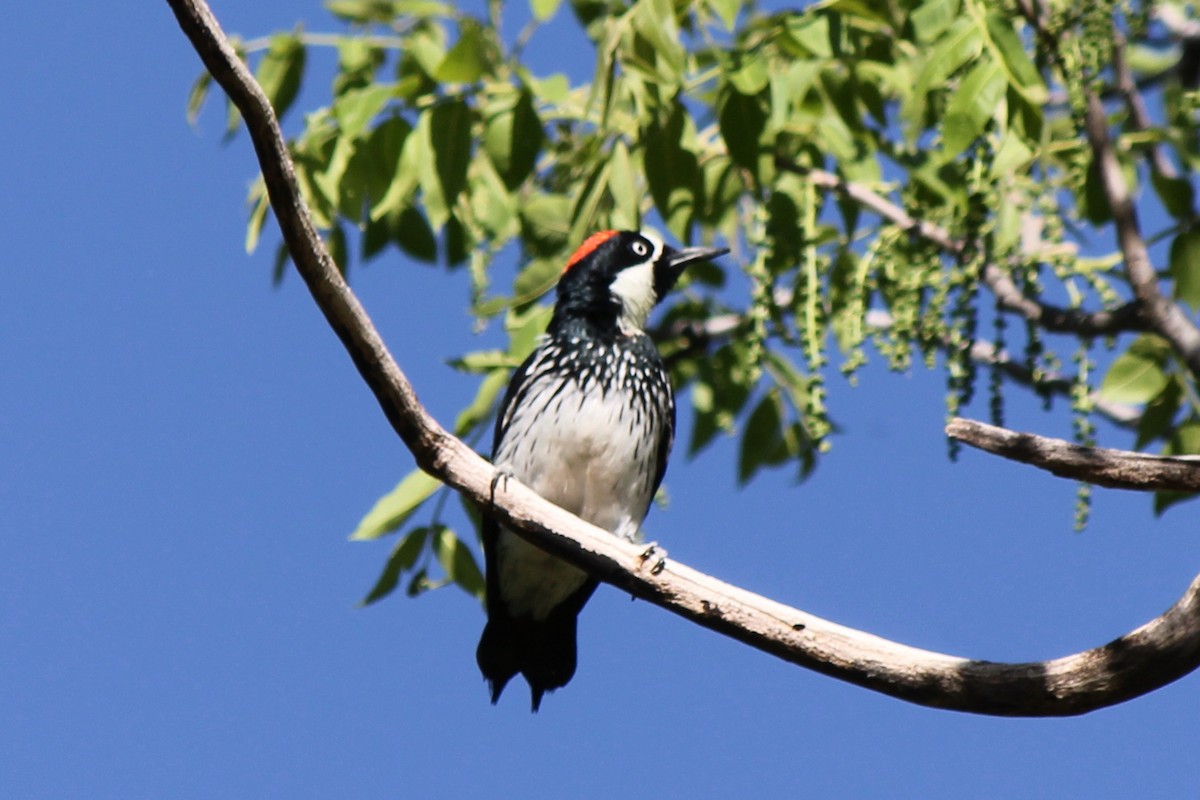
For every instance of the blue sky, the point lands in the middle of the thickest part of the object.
(183, 450)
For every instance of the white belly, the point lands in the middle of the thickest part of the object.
(586, 461)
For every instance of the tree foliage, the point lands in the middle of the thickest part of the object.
(910, 182)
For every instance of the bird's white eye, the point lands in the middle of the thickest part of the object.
(640, 248)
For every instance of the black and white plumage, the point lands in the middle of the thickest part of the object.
(587, 423)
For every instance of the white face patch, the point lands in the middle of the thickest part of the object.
(634, 288)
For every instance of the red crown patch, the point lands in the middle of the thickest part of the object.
(589, 244)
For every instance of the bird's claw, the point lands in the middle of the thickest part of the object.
(503, 473)
(655, 556)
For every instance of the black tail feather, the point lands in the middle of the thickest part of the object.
(543, 652)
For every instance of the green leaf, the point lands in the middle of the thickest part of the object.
(384, 12)
(279, 264)
(411, 232)
(727, 10)
(355, 109)
(402, 558)
(974, 103)
(1184, 442)
(1158, 418)
(1164, 500)
(358, 62)
(345, 195)
(760, 440)
(494, 208)
(485, 399)
(450, 140)
(481, 361)
(1012, 157)
(419, 583)
(407, 171)
(524, 327)
(339, 251)
(375, 237)
(197, 96)
(742, 121)
(281, 70)
(455, 242)
(931, 18)
(960, 44)
(1023, 74)
(394, 508)
(544, 222)
(1177, 194)
(551, 89)
(789, 378)
(811, 31)
(467, 60)
(746, 71)
(544, 9)
(720, 393)
(1185, 267)
(1136, 376)
(457, 561)
(622, 185)
(427, 51)
(260, 202)
(655, 21)
(838, 139)
(513, 137)
(671, 168)
(535, 279)
(381, 156)
(585, 213)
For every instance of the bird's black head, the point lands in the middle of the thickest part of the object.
(616, 277)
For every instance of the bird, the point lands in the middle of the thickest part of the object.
(587, 422)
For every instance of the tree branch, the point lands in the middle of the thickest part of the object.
(695, 336)
(1055, 383)
(1127, 86)
(1162, 315)
(1117, 469)
(1147, 658)
(1048, 317)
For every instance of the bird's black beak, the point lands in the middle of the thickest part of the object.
(678, 259)
(672, 261)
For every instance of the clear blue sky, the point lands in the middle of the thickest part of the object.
(183, 450)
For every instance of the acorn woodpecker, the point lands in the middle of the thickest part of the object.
(587, 423)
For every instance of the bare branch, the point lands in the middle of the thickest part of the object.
(1048, 317)
(1117, 469)
(1159, 313)
(1163, 315)
(1136, 104)
(1145, 659)
(1060, 320)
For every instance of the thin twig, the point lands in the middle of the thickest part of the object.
(1159, 313)
(1136, 104)
(1010, 298)
(696, 336)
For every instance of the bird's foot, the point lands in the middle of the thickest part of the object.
(503, 473)
(655, 556)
